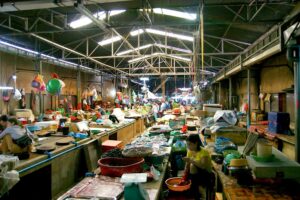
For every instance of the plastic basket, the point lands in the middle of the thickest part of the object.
(125, 165)
(177, 123)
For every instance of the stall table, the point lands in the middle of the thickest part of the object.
(64, 166)
(284, 143)
(233, 191)
(153, 187)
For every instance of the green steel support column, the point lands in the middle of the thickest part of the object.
(78, 86)
(40, 94)
(297, 98)
(220, 96)
(249, 99)
(230, 93)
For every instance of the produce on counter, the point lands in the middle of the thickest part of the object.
(114, 153)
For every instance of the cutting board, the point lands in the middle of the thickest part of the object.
(65, 141)
(45, 147)
(134, 178)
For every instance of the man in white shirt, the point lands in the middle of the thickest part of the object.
(15, 139)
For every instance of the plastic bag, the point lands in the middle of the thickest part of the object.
(154, 172)
(17, 95)
(8, 180)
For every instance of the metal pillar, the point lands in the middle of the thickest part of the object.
(297, 108)
(230, 93)
(163, 86)
(78, 86)
(40, 94)
(220, 90)
(249, 99)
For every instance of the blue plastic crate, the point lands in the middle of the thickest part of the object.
(279, 122)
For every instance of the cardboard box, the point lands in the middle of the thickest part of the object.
(111, 144)
(198, 113)
(212, 107)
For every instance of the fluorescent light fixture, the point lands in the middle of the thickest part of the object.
(162, 33)
(43, 56)
(180, 58)
(150, 45)
(133, 50)
(139, 58)
(144, 79)
(109, 41)
(113, 92)
(83, 20)
(18, 47)
(158, 54)
(180, 37)
(116, 12)
(136, 32)
(173, 48)
(175, 13)
(6, 88)
(170, 34)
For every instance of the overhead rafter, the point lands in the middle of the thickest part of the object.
(82, 9)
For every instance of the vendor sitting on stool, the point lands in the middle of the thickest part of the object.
(100, 110)
(61, 109)
(15, 140)
(198, 166)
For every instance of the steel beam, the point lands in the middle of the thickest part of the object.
(103, 27)
(75, 52)
(227, 39)
(45, 4)
(229, 26)
(230, 9)
(163, 74)
(258, 11)
(178, 54)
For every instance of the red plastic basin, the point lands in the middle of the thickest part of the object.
(172, 184)
(119, 166)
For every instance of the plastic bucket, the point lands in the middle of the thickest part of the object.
(264, 149)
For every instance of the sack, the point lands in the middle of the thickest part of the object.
(23, 141)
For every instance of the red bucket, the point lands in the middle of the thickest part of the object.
(119, 166)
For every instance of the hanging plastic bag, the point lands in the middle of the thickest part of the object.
(17, 95)
(5, 96)
(95, 95)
